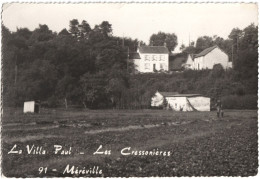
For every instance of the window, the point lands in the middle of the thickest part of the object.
(162, 57)
(147, 66)
(147, 57)
(154, 57)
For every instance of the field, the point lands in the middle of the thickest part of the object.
(199, 143)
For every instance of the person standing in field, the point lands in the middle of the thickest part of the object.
(219, 108)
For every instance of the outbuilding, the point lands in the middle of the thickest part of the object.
(181, 102)
(31, 107)
(210, 57)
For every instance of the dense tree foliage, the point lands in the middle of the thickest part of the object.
(161, 39)
(88, 67)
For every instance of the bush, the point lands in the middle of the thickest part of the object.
(217, 71)
(240, 102)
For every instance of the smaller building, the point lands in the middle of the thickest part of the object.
(181, 102)
(210, 57)
(203, 60)
(31, 107)
(159, 97)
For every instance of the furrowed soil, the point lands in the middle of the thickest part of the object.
(200, 144)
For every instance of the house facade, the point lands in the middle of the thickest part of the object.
(149, 59)
(210, 57)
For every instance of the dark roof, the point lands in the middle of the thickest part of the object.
(206, 51)
(176, 94)
(153, 49)
(176, 61)
(186, 95)
(134, 55)
(173, 54)
(168, 93)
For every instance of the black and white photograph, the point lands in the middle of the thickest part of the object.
(128, 89)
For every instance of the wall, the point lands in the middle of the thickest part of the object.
(177, 103)
(29, 106)
(157, 100)
(190, 63)
(198, 63)
(200, 103)
(137, 64)
(216, 56)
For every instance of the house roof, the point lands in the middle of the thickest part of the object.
(176, 94)
(186, 95)
(177, 60)
(192, 56)
(134, 55)
(205, 51)
(165, 94)
(153, 49)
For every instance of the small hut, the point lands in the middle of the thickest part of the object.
(31, 107)
(181, 102)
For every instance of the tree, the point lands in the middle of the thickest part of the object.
(64, 88)
(42, 33)
(217, 71)
(74, 30)
(24, 32)
(36, 81)
(182, 47)
(203, 43)
(161, 38)
(64, 32)
(106, 28)
(93, 88)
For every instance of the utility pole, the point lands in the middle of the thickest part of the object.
(232, 56)
(123, 41)
(127, 59)
(237, 45)
(189, 39)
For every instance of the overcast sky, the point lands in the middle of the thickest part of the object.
(138, 20)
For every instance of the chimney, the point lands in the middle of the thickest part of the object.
(164, 44)
(139, 44)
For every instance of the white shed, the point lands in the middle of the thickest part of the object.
(181, 102)
(31, 107)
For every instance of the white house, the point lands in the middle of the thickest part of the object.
(209, 57)
(149, 59)
(181, 102)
